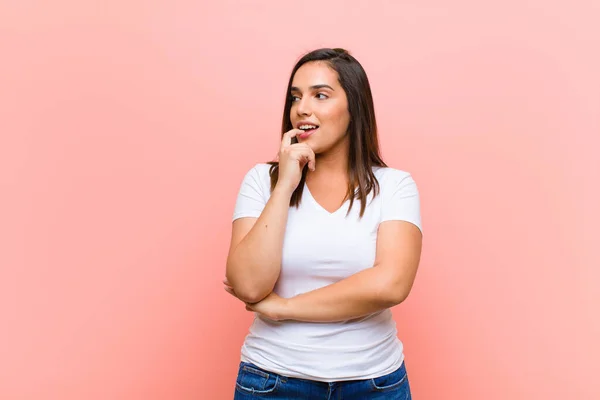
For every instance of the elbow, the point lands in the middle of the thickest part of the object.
(245, 290)
(395, 286)
(248, 287)
(396, 294)
(250, 295)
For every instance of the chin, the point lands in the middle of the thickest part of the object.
(309, 141)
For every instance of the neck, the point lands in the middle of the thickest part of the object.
(332, 164)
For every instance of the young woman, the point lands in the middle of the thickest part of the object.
(324, 242)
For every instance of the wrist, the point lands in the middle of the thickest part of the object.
(283, 191)
(286, 311)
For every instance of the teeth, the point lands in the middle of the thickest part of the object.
(307, 127)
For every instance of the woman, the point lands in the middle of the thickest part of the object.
(324, 242)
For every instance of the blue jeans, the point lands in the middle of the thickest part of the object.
(254, 383)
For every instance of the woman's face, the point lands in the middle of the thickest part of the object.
(319, 101)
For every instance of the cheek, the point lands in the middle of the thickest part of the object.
(338, 118)
(341, 119)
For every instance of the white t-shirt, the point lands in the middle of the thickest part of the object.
(321, 248)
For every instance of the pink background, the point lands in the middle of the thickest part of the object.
(126, 127)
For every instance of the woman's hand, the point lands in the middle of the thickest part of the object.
(273, 306)
(292, 160)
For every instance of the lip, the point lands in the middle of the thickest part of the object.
(306, 134)
(305, 122)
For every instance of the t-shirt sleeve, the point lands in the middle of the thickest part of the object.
(401, 202)
(250, 200)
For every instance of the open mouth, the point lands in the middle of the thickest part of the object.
(307, 130)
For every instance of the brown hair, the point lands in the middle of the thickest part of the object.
(362, 129)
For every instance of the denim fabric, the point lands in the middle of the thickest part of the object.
(255, 383)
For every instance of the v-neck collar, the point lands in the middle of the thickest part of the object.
(320, 207)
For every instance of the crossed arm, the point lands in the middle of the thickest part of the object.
(385, 285)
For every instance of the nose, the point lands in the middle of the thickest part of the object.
(303, 106)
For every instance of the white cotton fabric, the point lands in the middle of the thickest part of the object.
(321, 248)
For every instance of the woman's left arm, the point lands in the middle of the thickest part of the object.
(385, 285)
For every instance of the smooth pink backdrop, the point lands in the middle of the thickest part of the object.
(126, 127)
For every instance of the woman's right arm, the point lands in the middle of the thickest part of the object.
(254, 260)
(255, 251)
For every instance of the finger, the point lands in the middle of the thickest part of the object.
(307, 160)
(302, 160)
(306, 155)
(248, 308)
(230, 291)
(287, 137)
(312, 162)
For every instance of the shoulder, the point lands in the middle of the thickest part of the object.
(389, 177)
(400, 196)
(262, 168)
(261, 171)
(258, 175)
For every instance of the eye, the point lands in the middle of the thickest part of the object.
(294, 98)
(322, 98)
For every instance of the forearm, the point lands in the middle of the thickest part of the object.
(254, 265)
(363, 293)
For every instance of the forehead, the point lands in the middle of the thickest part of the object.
(315, 73)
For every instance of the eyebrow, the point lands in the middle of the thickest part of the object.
(314, 87)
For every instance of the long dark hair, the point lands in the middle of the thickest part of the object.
(362, 129)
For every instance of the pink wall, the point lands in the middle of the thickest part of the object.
(116, 116)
